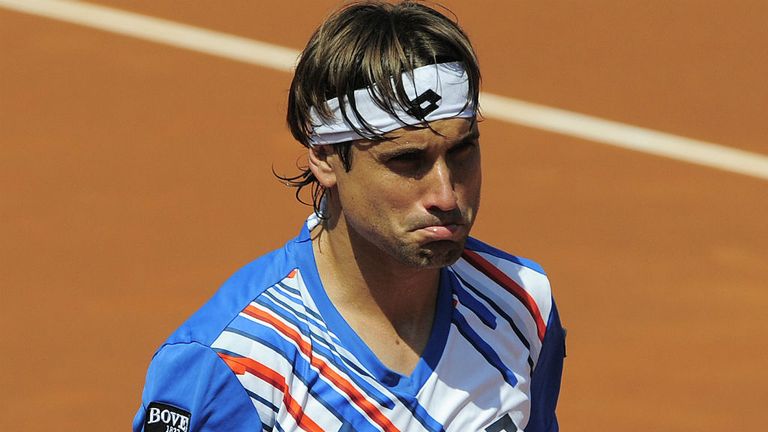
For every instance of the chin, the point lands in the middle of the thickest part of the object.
(433, 255)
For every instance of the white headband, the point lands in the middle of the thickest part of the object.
(441, 91)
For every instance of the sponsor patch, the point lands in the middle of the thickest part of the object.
(504, 424)
(166, 418)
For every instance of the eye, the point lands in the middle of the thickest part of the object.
(408, 163)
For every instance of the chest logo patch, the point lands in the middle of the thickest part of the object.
(166, 418)
(504, 424)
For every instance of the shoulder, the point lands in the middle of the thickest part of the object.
(188, 378)
(189, 388)
(484, 248)
(514, 282)
(245, 285)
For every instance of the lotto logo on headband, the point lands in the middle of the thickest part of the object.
(424, 104)
(437, 92)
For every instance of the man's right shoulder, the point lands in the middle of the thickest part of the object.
(187, 358)
(243, 287)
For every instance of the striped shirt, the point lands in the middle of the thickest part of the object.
(270, 352)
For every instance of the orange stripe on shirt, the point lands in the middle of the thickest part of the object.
(241, 365)
(325, 370)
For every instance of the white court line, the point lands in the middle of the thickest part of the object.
(161, 31)
(497, 107)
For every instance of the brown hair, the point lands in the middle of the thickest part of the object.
(369, 44)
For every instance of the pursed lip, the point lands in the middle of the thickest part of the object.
(441, 222)
(441, 230)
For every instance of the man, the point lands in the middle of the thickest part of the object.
(382, 314)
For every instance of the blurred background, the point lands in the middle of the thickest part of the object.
(136, 176)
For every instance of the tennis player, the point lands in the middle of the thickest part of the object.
(383, 314)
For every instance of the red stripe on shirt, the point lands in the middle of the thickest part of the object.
(241, 365)
(496, 275)
(325, 370)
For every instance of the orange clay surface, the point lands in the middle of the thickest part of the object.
(135, 177)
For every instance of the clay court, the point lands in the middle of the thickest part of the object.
(136, 176)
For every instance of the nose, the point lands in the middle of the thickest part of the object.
(440, 193)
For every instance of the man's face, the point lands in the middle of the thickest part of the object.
(415, 196)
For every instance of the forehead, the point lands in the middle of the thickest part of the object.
(447, 131)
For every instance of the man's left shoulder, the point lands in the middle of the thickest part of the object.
(499, 256)
(513, 282)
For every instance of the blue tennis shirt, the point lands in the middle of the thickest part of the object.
(271, 352)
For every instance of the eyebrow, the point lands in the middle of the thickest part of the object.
(471, 135)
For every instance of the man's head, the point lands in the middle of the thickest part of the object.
(363, 92)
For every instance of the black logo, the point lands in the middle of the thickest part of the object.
(504, 424)
(424, 104)
(166, 418)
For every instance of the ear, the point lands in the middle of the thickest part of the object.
(321, 166)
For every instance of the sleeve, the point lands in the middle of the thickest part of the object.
(190, 389)
(545, 382)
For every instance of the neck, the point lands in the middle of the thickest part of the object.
(359, 276)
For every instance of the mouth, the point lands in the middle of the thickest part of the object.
(441, 231)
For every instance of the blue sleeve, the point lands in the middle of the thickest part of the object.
(545, 382)
(189, 385)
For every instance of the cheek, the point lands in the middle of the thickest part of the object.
(392, 202)
(478, 183)
(469, 186)
(367, 199)
(389, 205)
